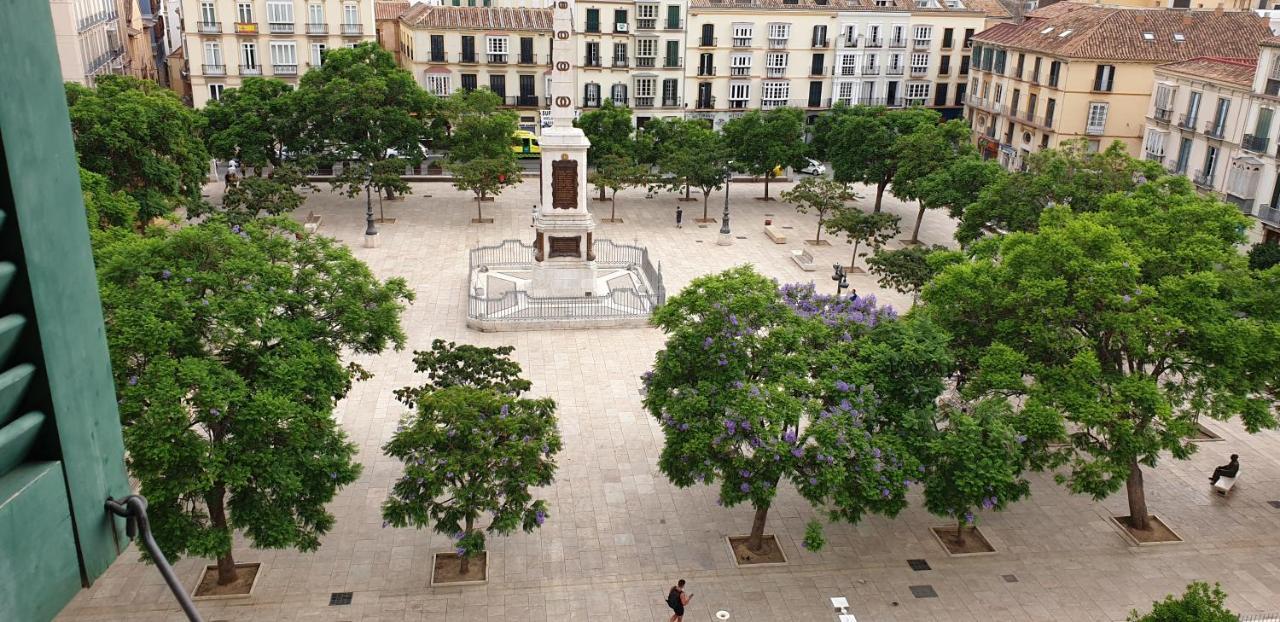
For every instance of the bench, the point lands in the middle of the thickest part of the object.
(804, 259)
(312, 223)
(775, 235)
(1224, 485)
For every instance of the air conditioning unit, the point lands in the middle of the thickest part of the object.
(620, 27)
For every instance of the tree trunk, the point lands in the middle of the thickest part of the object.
(960, 531)
(915, 233)
(215, 502)
(613, 208)
(766, 184)
(706, 197)
(755, 543)
(880, 194)
(817, 237)
(479, 211)
(687, 194)
(854, 262)
(391, 194)
(465, 563)
(1138, 517)
(602, 197)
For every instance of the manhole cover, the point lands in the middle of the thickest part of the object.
(923, 591)
(340, 598)
(918, 564)
(740, 237)
(1008, 578)
(702, 226)
(787, 227)
(1274, 504)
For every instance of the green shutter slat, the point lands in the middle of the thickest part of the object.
(7, 270)
(10, 329)
(13, 384)
(17, 438)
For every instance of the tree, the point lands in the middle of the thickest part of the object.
(759, 142)
(1263, 255)
(697, 160)
(361, 109)
(613, 173)
(820, 195)
(143, 139)
(907, 270)
(974, 461)
(609, 130)
(274, 194)
(259, 124)
(861, 143)
(106, 208)
(471, 447)
(448, 111)
(1069, 175)
(937, 167)
(735, 392)
(1129, 322)
(860, 228)
(227, 346)
(1199, 603)
(824, 128)
(480, 156)
(485, 177)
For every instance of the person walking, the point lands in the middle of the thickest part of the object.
(677, 599)
(679, 215)
(1229, 469)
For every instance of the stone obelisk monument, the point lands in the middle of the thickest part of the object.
(564, 264)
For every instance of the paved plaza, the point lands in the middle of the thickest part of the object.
(619, 534)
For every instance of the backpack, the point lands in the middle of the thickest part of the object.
(673, 598)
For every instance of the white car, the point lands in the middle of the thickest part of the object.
(814, 167)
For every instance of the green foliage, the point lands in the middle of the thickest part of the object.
(819, 195)
(1069, 175)
(758, 142)
(974, 461)
(258, 123)
(447, 112)
(106, 208)
(1263, 255)
(275, 194)
(659, 137)
(481, 159)
(1129, 322)
(143, 139)
(861, 142)
(938, 168)
(859, 227)
(472, 447)
(814, 539)
(485, 177)
(614, 173)
(697, 159)
(907, 270)
(609, 130)
(227, 346)
(1199, 603)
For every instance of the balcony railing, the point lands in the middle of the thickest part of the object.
(893, 71)
(1162, 115)
(705, 103)
(1154, 156)
(317, 29)
(920, 44)
(944, 70)
(871, 70)
(250, 70)
(775, 72)
(246, 28)
(739, 71)
(742, 42)
(1256, 144)
(352, 29)
(1187, 122)
(646, 61)
(522, 101)
(874, 43)
(673, 24)
(620, 101)
(496, 59)
(209, 27)
(704, 70)
(644, 102)
(670, 102)
(897, 43)
(1203, 179)
(846, 70)
(284, 70)
(619, 62)
(919, 71)
(468, 58)
(1269, 214)
(437, 56)
(591, 61)
(1095, 130)
(820, 43)
(818, 71)
(672, 62)
(708, 42)
(214, 70)
(646, 23)
(777, 44)
(1215, 129)
(280, 28)
(591, 102)
(530, 59)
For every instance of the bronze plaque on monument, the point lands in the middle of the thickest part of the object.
(564, 184)
(564, 246)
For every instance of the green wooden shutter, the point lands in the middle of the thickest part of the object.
(673, 17)
(61, 452)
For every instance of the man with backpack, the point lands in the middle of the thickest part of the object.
(677, 599)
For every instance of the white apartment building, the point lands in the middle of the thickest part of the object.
(871, 54)
(940, 41)
(633, 53)
(90, 36)
(1253, 175)
(227, 40)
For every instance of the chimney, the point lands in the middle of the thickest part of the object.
(1218, 11)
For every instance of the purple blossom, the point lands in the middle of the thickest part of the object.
(884, 492)
(797, 451)
(684, 427)
(722, 361)
(452, 433)
(737, 384)
(504, 411)
(755, 391)
(813, 481)
(384, 524)
(248, 287)
(733, 319)
(744, 473)
(789, 436)
(875, 451)
(449, 474)
(133, 380)
(333, 475)
(215, 412)
(235, 228)
(539, 517)
(968, 517)
(706, 343)
(188, 279)
(842, 386)
(460, 551)
(204, 301)
(746, 425)
(1127, 297)
(846, 406)
(730, 425)
(1021, 438)
(165, 274)
(745, 487)
(545, 449)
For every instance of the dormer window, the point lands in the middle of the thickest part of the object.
(1065, 33)
(1148, 36)
(1047, 30)
(1179, 37)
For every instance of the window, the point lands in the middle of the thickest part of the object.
(280, 12)
(437, 84)
(670, 92)
(998, 65)
(284, 54)
(1035, 71)
(706, 64)
(498, 84)
(968, 37)
(742, 34)
(1050, 106)
(315, 14)
(1184, 154)
(497, 48)
(469, 82)
(350, 15)
(815, 94)
(947, 36)
(249, 55)
(1164, 97)
(817, 66)
(620, 21)
(1148, 36)
(644, 92)
(1154, 143)
(923, 34)
(1055, 69)
(646, 19)
(704, 95)
(207, 14)
(244, 12)
(944, 68)
(779, 33)
(673, 17)
(1220, 116)
(774, 94)
(1022, 60)
(899, 36)
(317, 54)
(740, 65)
(593, 54)
(215, 92)
(1193, 110)
(844, 92)
(917, 92)
(873, 35)
(1179, 37)
(213, 57)
(526, 50)
(672, 57)
(940, 94)
(1210, 163)
(468, 49)
(618, 93)
(708, 35)
(820, 36)
(851, 35)
(960, 92)
(920, 61)
(1097, 118)
(1031, 106)
(776, 64)
(619, 54)
(1013, 102)
(647, 48)
(593, 20)
(964, 65)
(739, 94)
(591, 95)
(1103, 77)
(437, 48)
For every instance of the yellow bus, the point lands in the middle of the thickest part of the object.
(525, 144)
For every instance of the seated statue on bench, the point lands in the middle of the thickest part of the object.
(1229, 469)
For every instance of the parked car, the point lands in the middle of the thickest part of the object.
(814, 167)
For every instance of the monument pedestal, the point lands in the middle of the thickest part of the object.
(564, 261)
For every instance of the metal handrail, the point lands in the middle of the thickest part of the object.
(134, 510)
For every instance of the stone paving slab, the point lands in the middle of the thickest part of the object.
(619, 534)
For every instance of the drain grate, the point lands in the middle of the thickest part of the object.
(740, 237)
(339, 598)
(1274, 504)
(923, 591)
(918, 564)
(702, 226)
(787, 227)
(1008, 578)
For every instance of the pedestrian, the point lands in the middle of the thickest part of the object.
(230, 180)
(677, 599)
(679, 215)
(1229, 469)
(853, 294)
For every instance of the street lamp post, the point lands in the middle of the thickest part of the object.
(370, 229)
(726, 238)
(842, 281)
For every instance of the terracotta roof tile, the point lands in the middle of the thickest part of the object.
(1236, 71)
(1120, 34)
(389, 10)
(830, 5)
(478, 18)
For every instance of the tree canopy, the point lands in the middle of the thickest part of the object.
(698, 159)
(1200, 603)
(480, 157)
(859, 227)
(759, 142)
(821, 196)
(861, 142)
(938, 168)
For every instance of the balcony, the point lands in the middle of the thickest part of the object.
(591, 102)
(467, 58)
(672, 62)
(670, 102)
(644, 102)
(647, 23)
(893, 71)
(1095, 130)
(871, 70)
(646, 61)
(818, 71)
(1268, 214)
(920, 44)
(777, 44)
(874, 43)
(704, 70)
(214, 70)
(521, 101)
(775, 72)
(820, 43)
(1215, 129)
(897, 43)
(740, 71)
(708, 42)
(593, 28)
(919, 71)
(1203, 179)
(209, 27)
(496, 59)
(619, 62)
(250, 70)
(1187, 122)
(317, 29)
(246, 28)
(705, 103)
(350, 30)
(742, 42)
(284, 70)
(529, 59)
(847, 70)
(851, 43)
(673, 24)
(1154, 157)
(620, 101)
(944, 70)
(1254, 143)
(280, 28)
(1162, 115)
(591, 61)
(437, 56)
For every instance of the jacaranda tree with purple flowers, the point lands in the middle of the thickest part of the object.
(227, 345)
(742, 407)
(472, 447)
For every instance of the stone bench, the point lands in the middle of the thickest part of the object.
(804, 259)
(775, 235)
(311, 223)
(1224, 485)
